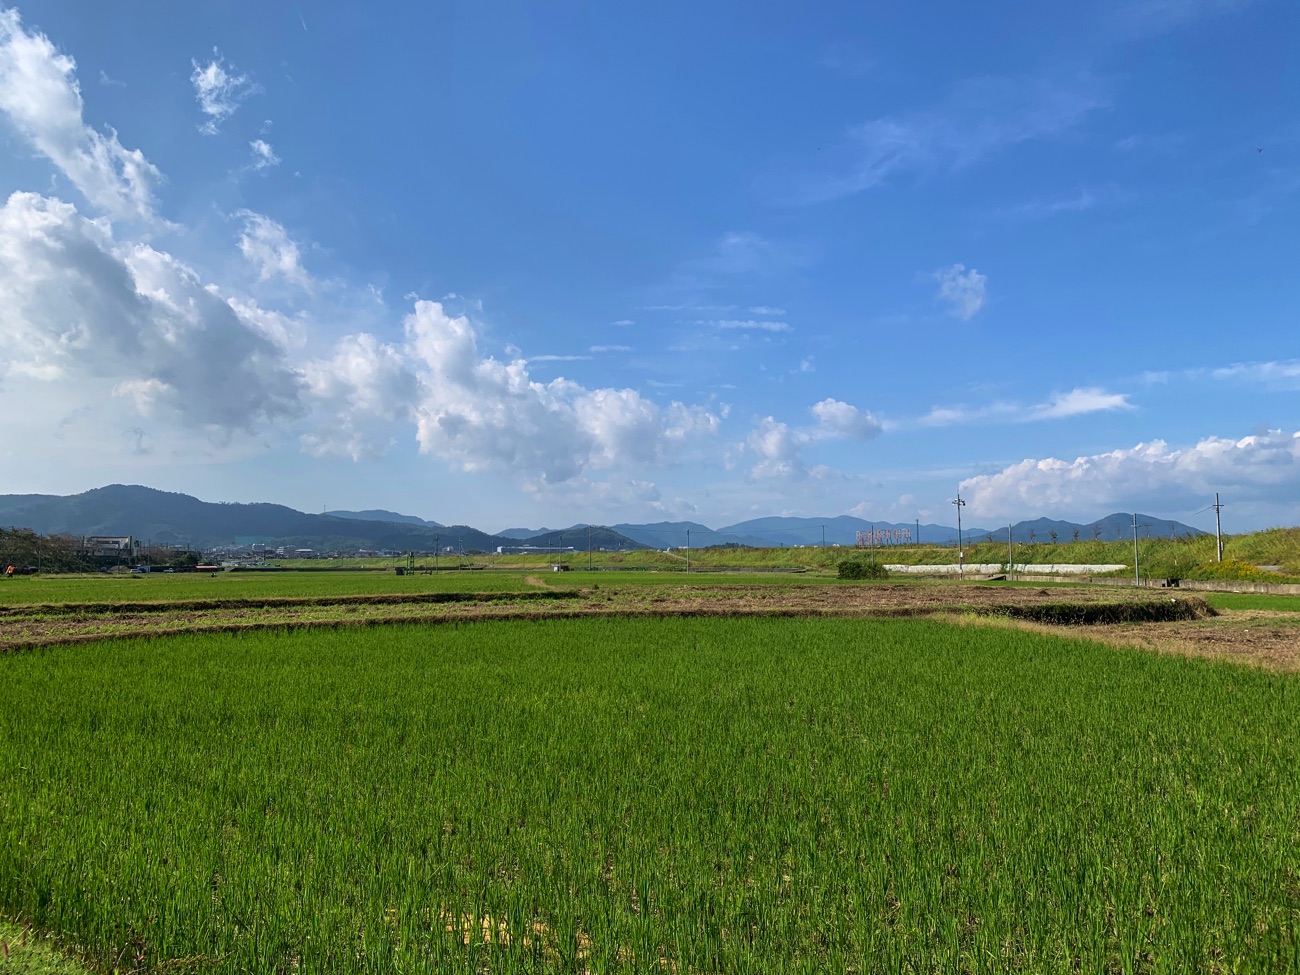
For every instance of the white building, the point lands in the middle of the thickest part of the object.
(126, 547)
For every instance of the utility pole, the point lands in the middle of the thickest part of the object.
(1218, 527)
(1011, 556)
(1137, 581)
(918, 531)
(872, 543)
(590, 564)
(437, 543)
(823, 536)
(961, 554)
(688, 550)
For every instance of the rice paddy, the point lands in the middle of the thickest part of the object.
(651, 795)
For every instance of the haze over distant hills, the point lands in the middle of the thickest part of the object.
(379, 514)
(169, 518)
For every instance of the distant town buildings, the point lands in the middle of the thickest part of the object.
(124, 547)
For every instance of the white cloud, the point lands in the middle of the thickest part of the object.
(1283, 374)
(559, 358)
(40, 95)
(1075, 402)
(264, 156)
(965, 291)
(767, 311)
(1078, 402)
(980, 117)
(1264, 467)
(779, 447)
(838, 420)
(219, 92)
(365, 388)
(624, 322)
(748, 325)
(268, 247)
(77, 305)
(611, 348)
(481, 414)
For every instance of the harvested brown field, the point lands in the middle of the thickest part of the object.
(29, 626)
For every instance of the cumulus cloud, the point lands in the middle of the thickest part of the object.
(778, 447)
(76, 303)
(264, 156)
(41, 97)
(963, 290)
(219, 91)
(362, 390)
(269, 248)
(1260, 467)
(838, 420)
(479, 413)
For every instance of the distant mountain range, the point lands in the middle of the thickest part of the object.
(167, 518)
(164, 518)
(379, 514)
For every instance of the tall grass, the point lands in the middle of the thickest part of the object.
(652, 795)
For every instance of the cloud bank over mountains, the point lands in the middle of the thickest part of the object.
(1253, 468)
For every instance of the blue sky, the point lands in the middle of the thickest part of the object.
(500, 264)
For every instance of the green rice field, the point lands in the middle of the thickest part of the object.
(274, 585)
(1253, 600)
(651, 795)
(248, 585)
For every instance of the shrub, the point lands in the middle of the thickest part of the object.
(857, 569)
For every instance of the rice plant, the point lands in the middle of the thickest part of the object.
(651, 795)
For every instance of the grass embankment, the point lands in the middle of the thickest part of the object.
(656, 795)
(1161, 557)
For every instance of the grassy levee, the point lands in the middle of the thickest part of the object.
(610, 795)
(1188, 558)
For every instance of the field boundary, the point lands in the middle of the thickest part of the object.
(1063, 614)
(279, 602)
